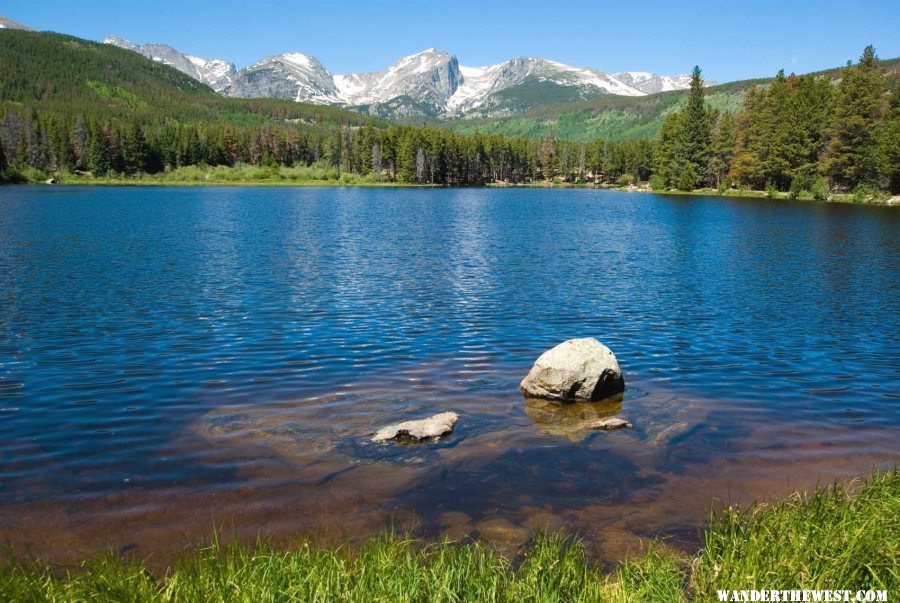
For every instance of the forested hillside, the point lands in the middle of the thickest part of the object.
(622, 117)
(70, 75)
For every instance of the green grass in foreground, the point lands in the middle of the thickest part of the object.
(828, 540)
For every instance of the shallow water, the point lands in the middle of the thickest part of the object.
(174, 360)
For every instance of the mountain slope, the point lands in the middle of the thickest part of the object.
(7, 23)
(69, 75)
(215, 73)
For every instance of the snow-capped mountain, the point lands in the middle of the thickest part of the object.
(427, 83)
(215, 73)
(479, 84)
(7, 23)
(650, 83)
(429, 79)
(437, 84)
(292, 76)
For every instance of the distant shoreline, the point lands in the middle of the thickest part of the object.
(711, 192)
(844, 198)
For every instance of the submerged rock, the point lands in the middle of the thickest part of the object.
(423, 429)
(610, 423)
(571, 420)
(577, 369)
(500, 531)
(453, 518)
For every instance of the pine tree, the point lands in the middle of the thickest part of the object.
(134, 150)
(683, 151)
(772, 151)
(667, 162)
(98, 153)
(376, 160)
(420, 165)
(696, 129)
(229, 145)
(3, 164)
(548, 155)
(810, 113)
(852, 156)
(722, 149)
(890, 145)
(437, 164)
(80, 143)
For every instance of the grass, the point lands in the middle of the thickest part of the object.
(869, 198)
(836, 538)
(201, 175)
(319, 175)
(828, 540)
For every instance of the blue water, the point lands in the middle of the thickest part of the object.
(129, 314)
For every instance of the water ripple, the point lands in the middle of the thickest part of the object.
(126, 315)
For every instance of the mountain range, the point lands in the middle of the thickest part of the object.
(431, 83)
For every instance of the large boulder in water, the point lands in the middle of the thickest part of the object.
(578, 369)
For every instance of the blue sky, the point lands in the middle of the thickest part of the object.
(729, 40)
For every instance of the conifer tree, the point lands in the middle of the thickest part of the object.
(134, 150)
(890, 144)
(3, 165)
(774, 166)
(548, 154)
(667, 164)
(852, 156)
(722, 148)
(98, 153)
(696, 130)
(809, 113)
(80, 143)
(682, 157)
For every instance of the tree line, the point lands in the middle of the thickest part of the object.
(32, 138)
(797, 134)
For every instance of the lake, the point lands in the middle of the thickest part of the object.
(179, 360)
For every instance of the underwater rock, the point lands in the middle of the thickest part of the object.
(501, 531)
(423, 429)
(570, 420)
(609, 424)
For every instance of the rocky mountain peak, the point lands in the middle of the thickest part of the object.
(290, 75)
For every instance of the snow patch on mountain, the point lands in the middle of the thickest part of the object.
(650, 83)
